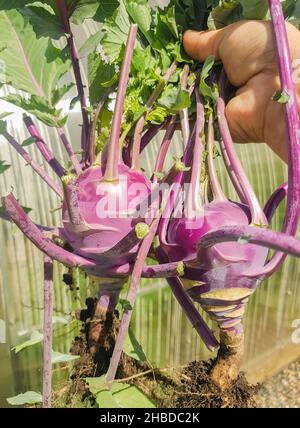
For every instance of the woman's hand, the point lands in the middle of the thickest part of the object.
(247, 51)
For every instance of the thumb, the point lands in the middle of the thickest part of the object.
(200, 45)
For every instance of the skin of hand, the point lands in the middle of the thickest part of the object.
(247, 50)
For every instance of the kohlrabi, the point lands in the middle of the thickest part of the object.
(210, 249)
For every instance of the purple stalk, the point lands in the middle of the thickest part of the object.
(47, 331)
(165, 270)
(258, 236)
(213, 178)
(34, 165)
(197, 154)
(43, 148)
(257, 215)
(77, 73)
(136, 146)
(171, 128)
(69, 150)
(293, 130)
(193, 315)
(131, 297)
(184, 114)
(22, 220)
(151, 133)
(274, 201)
(113, 155)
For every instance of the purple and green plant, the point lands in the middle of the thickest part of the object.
(140, 82)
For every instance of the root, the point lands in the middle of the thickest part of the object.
(228, 363)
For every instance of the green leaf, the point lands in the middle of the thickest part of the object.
(210, 94)
(169, 20)
(140, 13)
(281, 97)
(4, 115)
(3, 127)
(96, 384)
(22, 52)
(174, 99)
(29, 397)
(92, 43)
(133, 348)
(37, 106)
(36, 337)
(128, 396)
(116, 30)
(59, 320)
(125, 304)
(58, 357)
(59, 93)
(254, 9)
(4, 166)
(101, 76)
(28, 141)
(98, 10)
(121, 395)
(45, 22)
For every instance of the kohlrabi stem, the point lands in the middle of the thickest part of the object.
(131, 297)
(164, 270)
(257, 215)
(102, 319)
(43, 148)
(91, 152)
(274, 201)
(136, 146)
(69, 150)
(216, 189)
(34, 165)
(77, 73)
(228, 363)
(292, 127)
(252, 235)
(71, 201)
(113, 155)
(47, 332)
(184, 113)
(193, 315)
(194, 193)
(151, 133)
(22, 220)
(160, 160)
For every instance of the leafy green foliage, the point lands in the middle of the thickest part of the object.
(35, 338)
(58, 357)
(133, 348)
(22, 52)
(225, 12)
(4, 115)
(3, 166)
(28, 141)
(281, 97)
(291, 10)
(38, 107)
(29, 397)
(122, 395)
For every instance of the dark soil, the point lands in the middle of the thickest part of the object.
(199, 392)
(185, 387)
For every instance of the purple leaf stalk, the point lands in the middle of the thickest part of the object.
(215, 253)
(47, 331)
